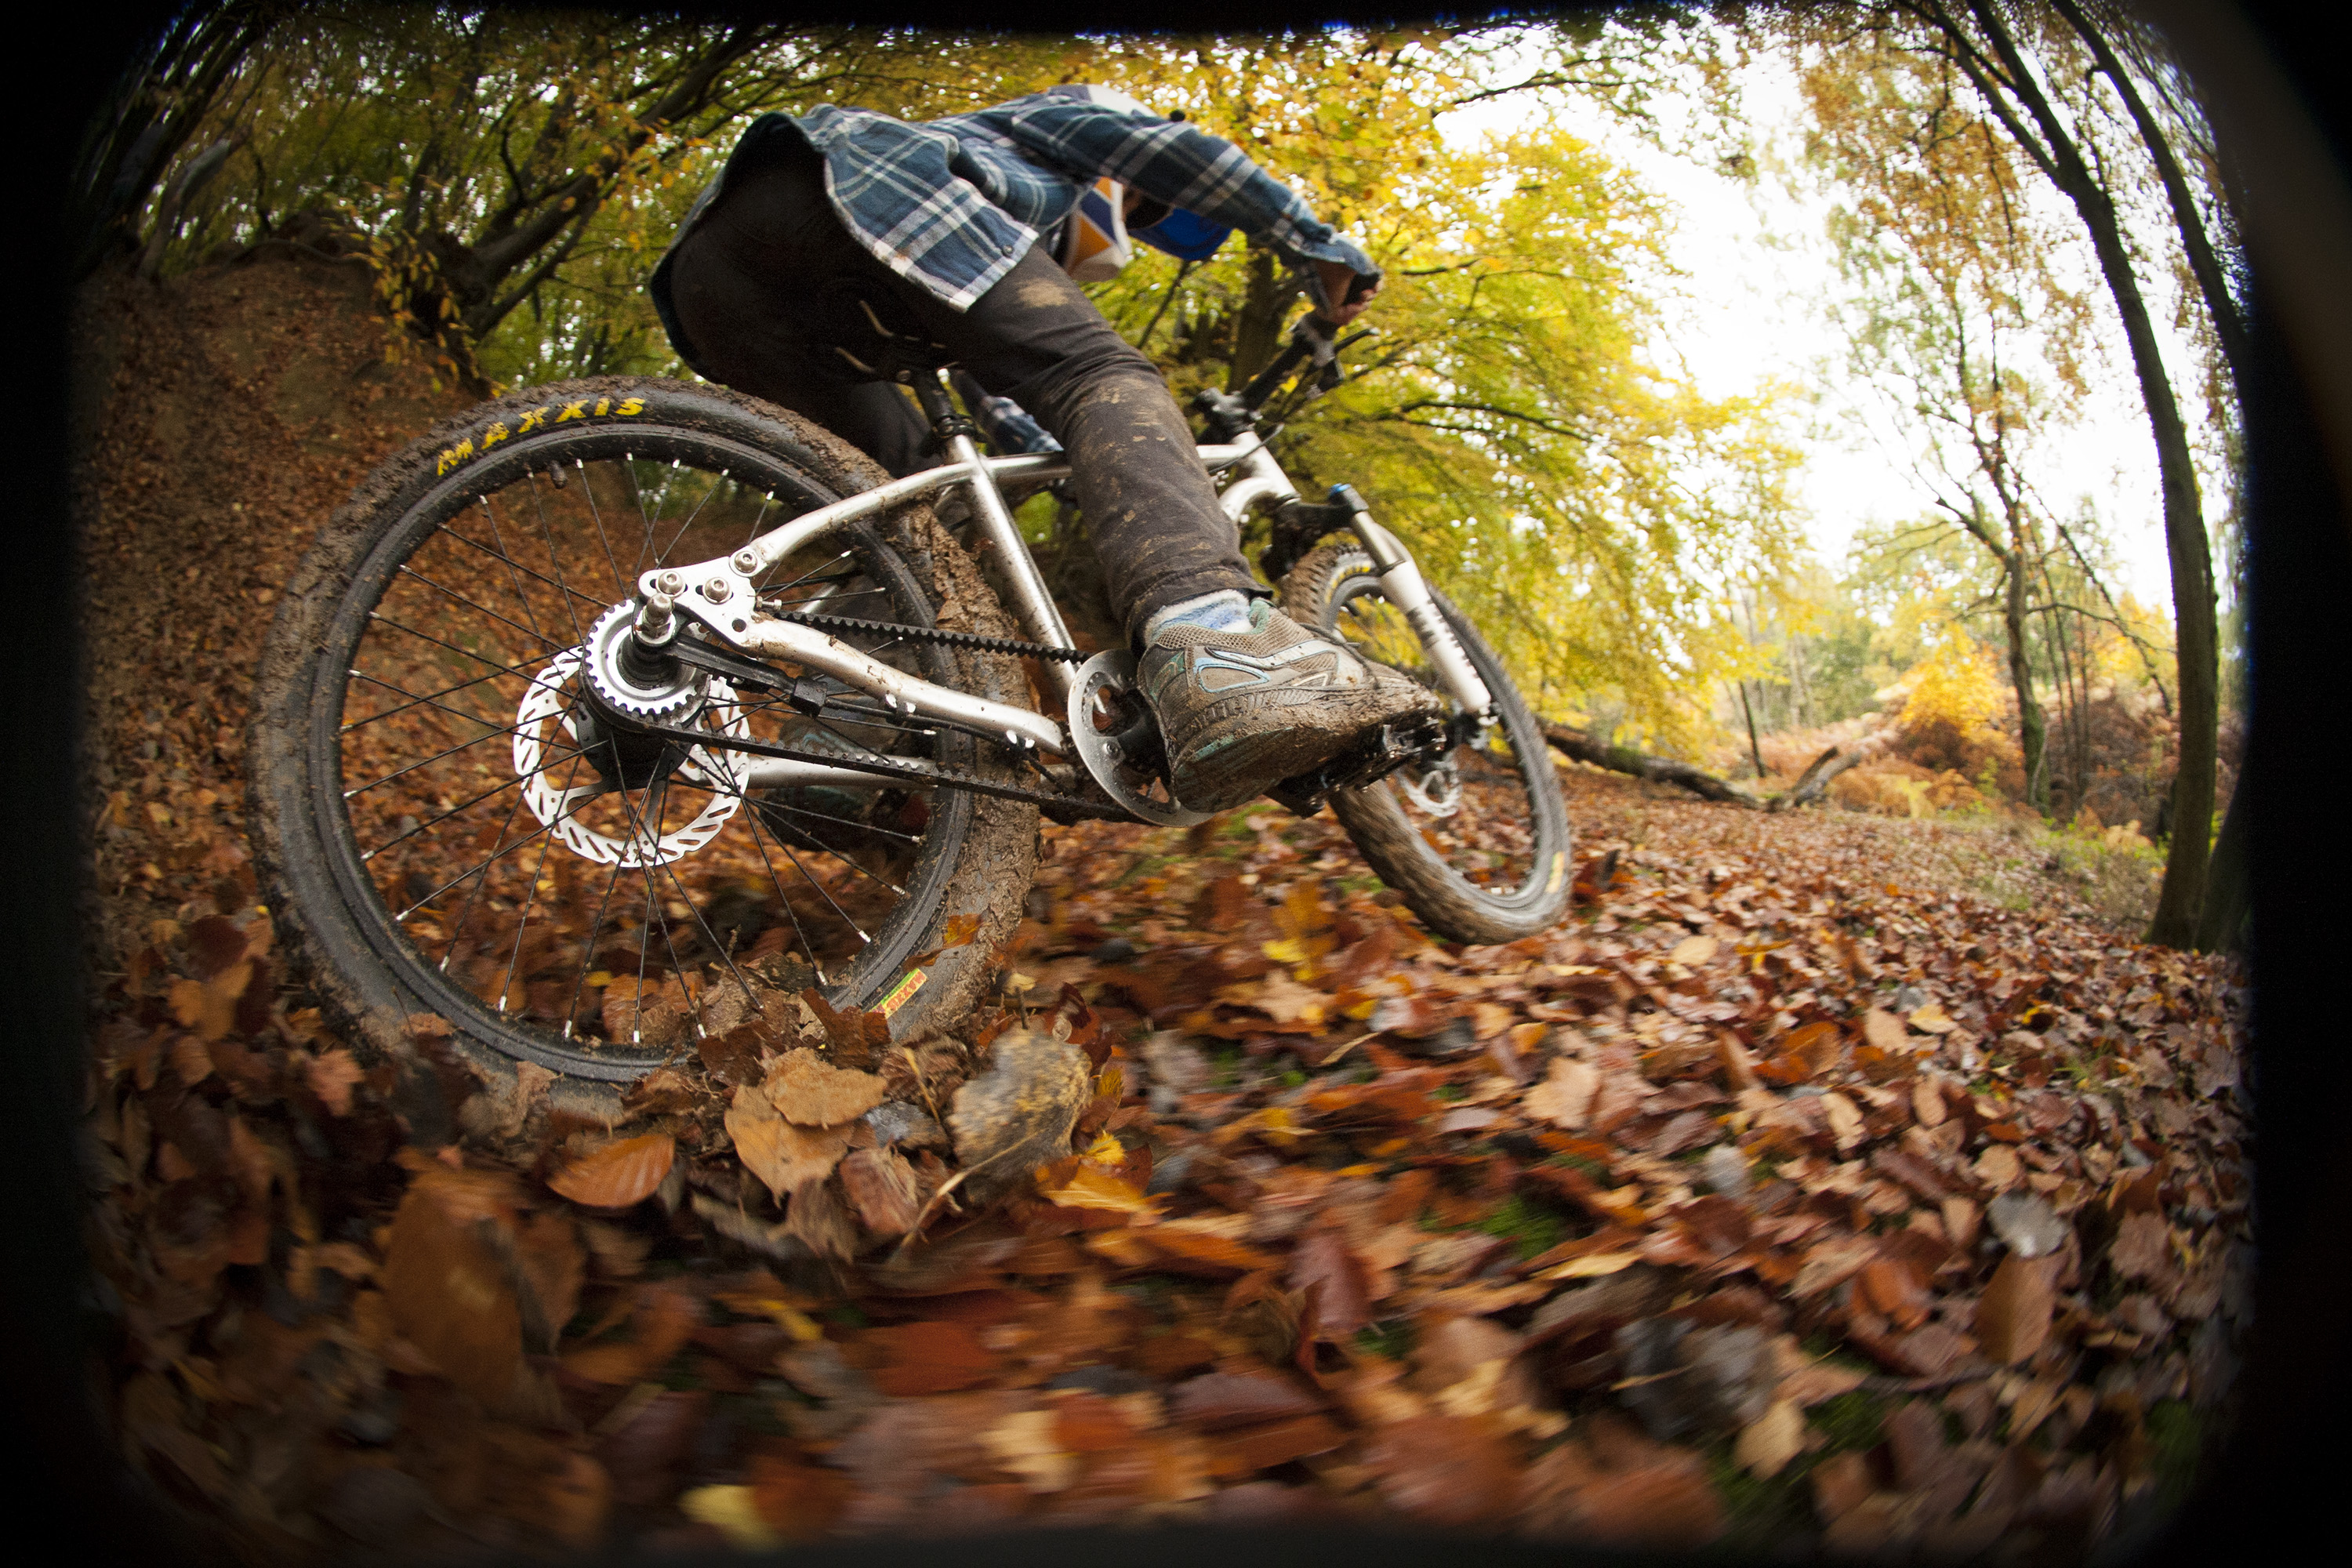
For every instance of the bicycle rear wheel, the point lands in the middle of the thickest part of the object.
(1478, 842)
(464, 814)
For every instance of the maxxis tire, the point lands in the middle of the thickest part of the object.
(326, 939)
(1446, 902)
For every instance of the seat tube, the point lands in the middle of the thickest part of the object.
(1033, 604)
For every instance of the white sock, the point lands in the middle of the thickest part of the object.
(1227, 610)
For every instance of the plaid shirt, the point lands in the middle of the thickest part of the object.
(952, 204)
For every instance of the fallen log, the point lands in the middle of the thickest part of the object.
(1580, 747)
(1814, 782)
(1811, 786)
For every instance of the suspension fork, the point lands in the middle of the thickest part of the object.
(1401, 583)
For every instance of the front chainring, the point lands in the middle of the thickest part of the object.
(1125, 759)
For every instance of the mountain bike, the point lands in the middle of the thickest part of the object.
(612, 715)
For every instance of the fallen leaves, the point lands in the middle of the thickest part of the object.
(811, 1093)
(1360, 1221)
(1564, 1098)
(2013, 1315)
(617, 1174)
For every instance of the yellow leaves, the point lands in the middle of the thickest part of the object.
(734, 1512)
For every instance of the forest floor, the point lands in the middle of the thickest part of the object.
(1823, 1181)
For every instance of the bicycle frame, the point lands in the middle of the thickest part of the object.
(720, 593)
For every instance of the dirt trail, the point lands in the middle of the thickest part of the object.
(1825, 1179)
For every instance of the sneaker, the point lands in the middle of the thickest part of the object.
(1241, 710)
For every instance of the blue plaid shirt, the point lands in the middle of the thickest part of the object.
(952, 204)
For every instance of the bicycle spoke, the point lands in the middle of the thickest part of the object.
(370, 854)
(408, 571)
(513, 575)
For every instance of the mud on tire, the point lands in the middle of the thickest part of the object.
(418, 659)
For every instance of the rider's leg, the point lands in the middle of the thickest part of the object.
(771, 288)
(744, 287)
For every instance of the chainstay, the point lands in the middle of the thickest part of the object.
(972, 640)
(905, 768)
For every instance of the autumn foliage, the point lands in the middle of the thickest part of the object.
(1784, 1193)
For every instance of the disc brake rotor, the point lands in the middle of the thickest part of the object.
(544, 705)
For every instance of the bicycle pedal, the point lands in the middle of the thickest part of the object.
(1389, 747)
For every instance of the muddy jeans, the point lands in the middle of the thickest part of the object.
(774, 297)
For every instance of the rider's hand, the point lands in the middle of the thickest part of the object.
(1338, 277)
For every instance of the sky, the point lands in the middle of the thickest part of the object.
(1741, 315)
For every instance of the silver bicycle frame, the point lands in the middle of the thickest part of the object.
(722, 595)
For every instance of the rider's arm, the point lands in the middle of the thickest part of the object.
(1187, 167)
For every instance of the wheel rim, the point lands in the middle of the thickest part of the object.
(523, 852)
(1473, 812)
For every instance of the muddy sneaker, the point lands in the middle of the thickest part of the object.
(1242, 710)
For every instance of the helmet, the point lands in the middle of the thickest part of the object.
(1095, 241)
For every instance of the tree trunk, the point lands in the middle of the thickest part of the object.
(2229, 886)
(2033, 729)
(1257, 332)
(2196, 632)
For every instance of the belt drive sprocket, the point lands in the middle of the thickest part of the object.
(1118, 739)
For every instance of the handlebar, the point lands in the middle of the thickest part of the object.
(1311, 336)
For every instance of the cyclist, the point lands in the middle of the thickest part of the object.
(839, 246)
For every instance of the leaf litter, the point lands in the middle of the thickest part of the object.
(1788, 1194)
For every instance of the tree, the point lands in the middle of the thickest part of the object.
(2035, 74)
(1956, 315)
(147, 121)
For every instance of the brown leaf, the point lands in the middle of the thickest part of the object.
(1894, 1291)
(806, 1089)
(1927, 1103)
(1018, 1114)
(450, 1297)
(1885, 1030)
(1247, 1449)
(1844, 1118)
(1452, 1471)
(1930, 1019)
(618, 1175)
(215, 943)
(820, 1218)
(1834, 1262)
(554, 1265)
(1564, 1098)
(927, 1358)
(883, 1190)
(1215, 1401)
(1999, 1169)
(1325, 1263)
(1693, 951)
(2012, 1318)
(787, 1158)
(2142, 1249)
(665, 1318)
(1767, 1443)
(856, 1037)
(798, 1500)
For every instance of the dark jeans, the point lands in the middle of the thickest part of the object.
(772, 295)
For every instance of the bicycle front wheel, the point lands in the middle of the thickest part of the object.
(1478, 840)
(461, 812)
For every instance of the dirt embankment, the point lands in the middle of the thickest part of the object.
(220, 417)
